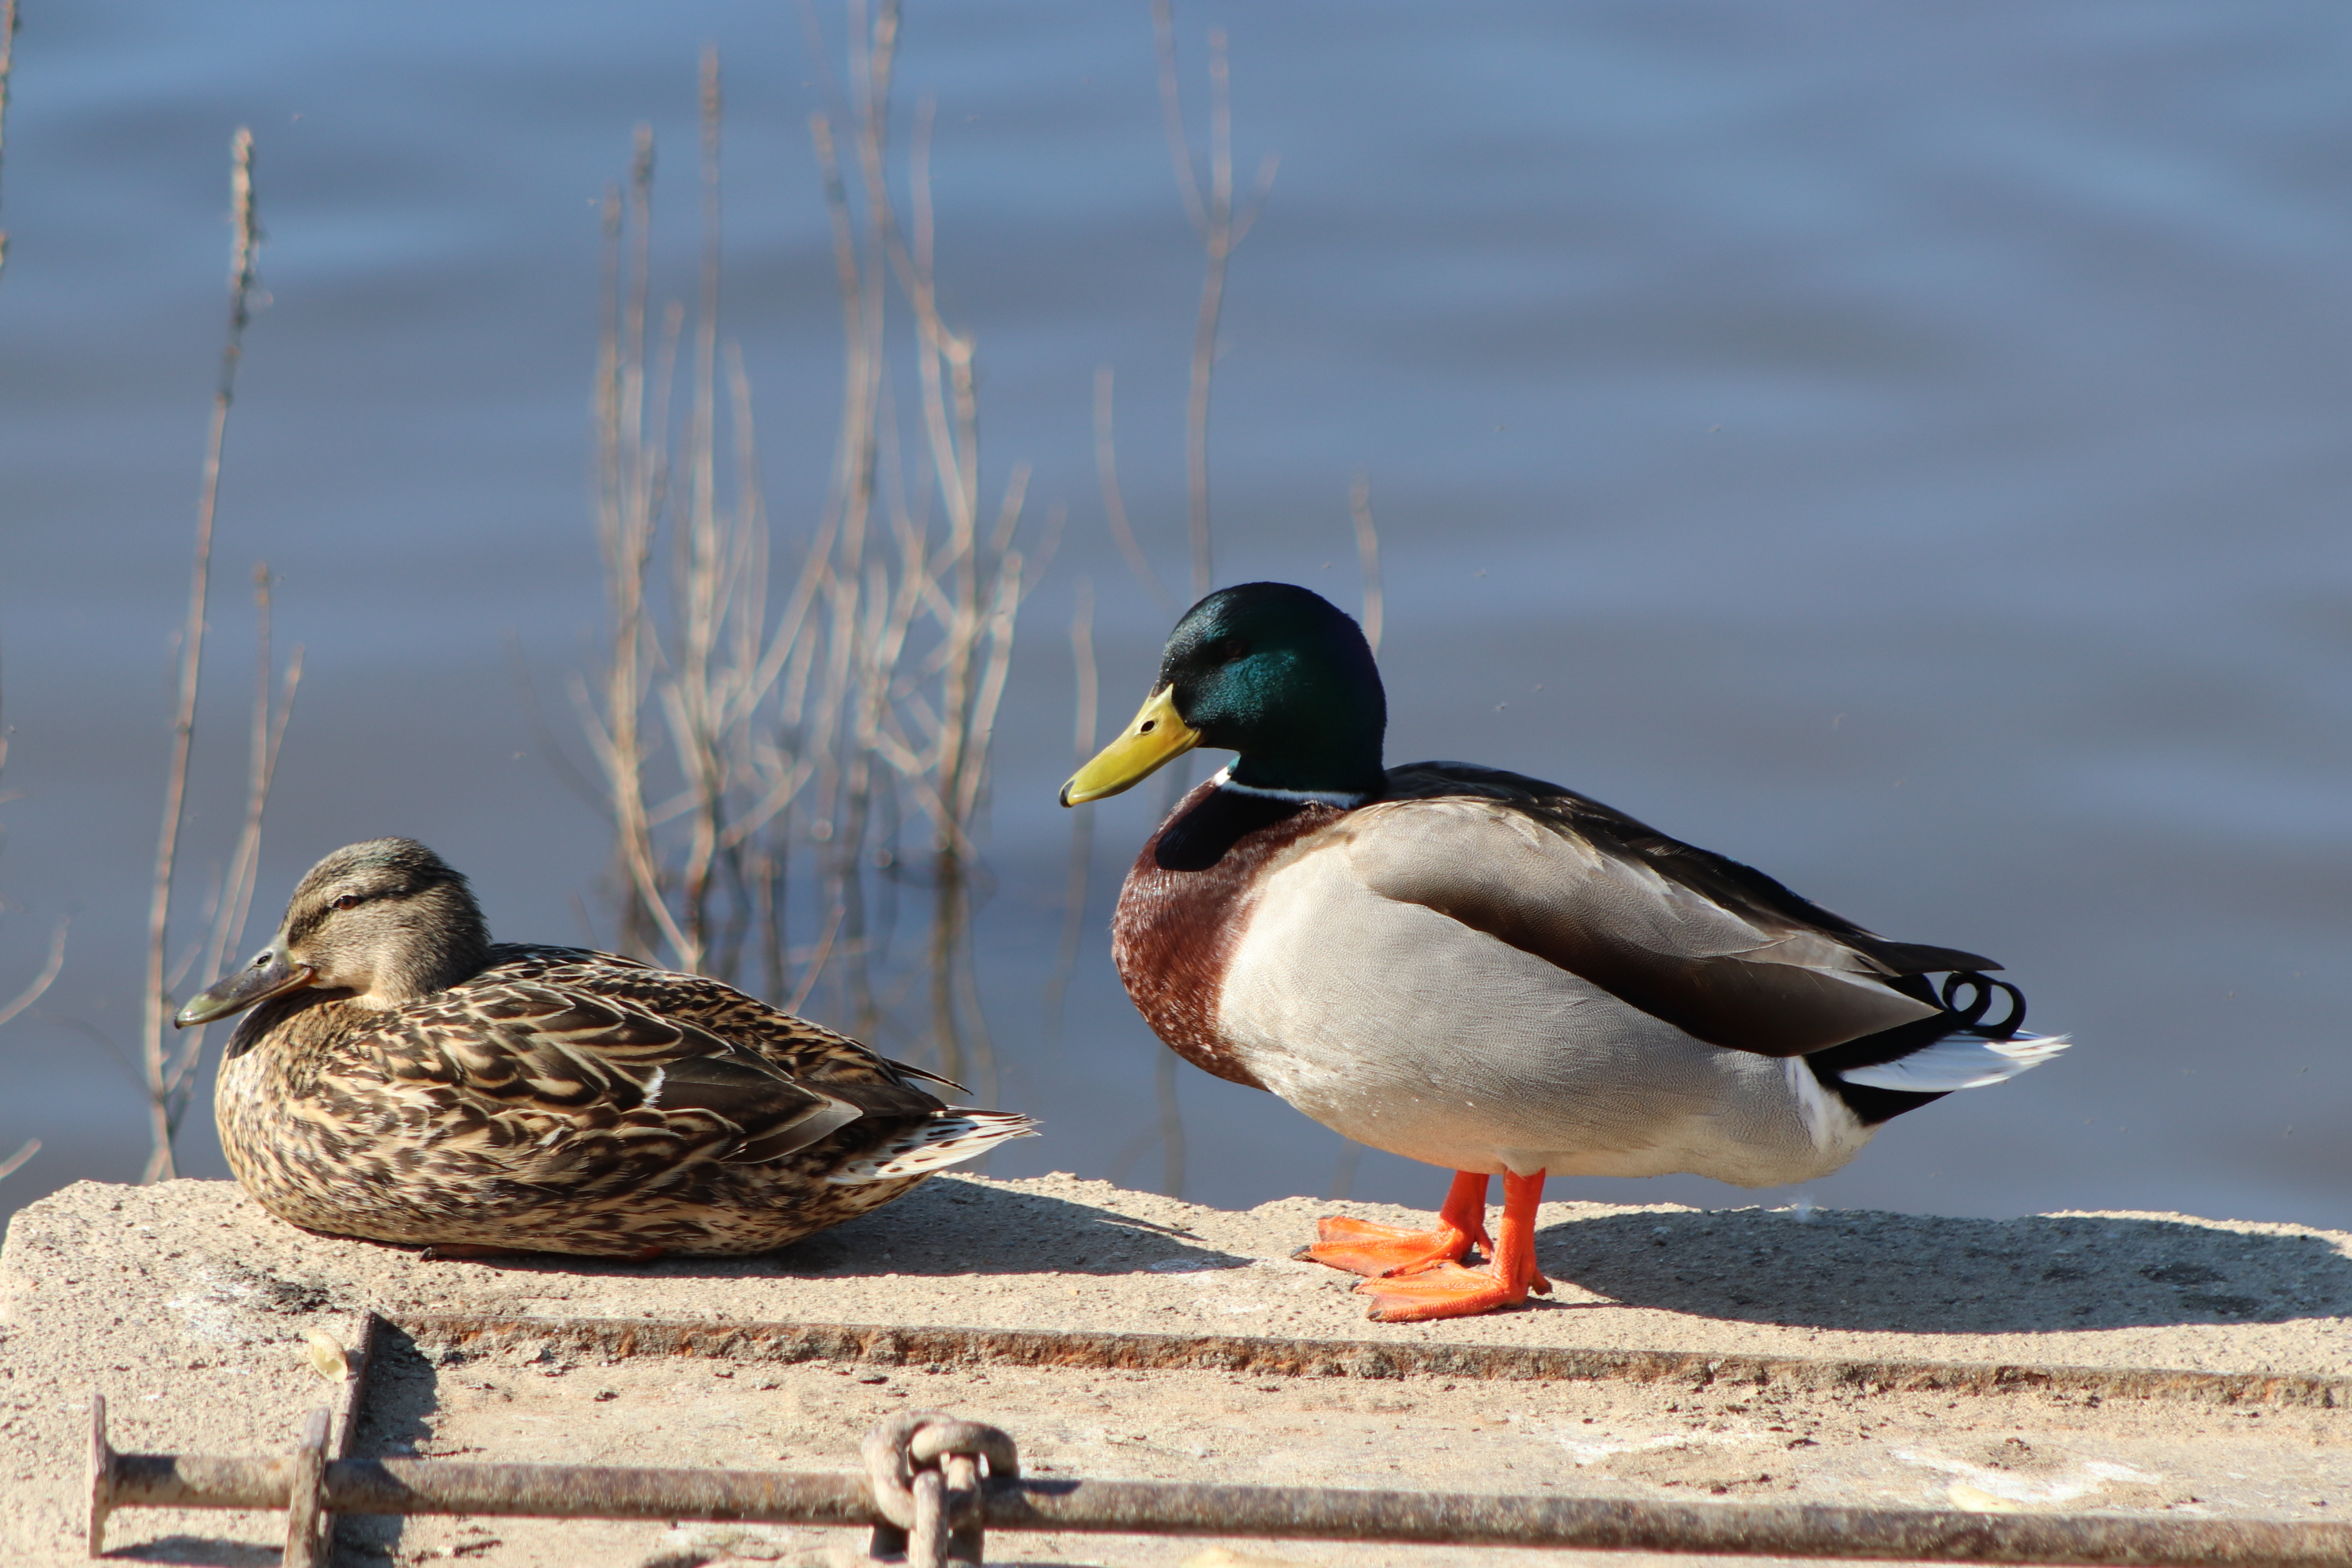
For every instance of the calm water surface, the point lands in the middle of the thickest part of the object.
(1905, 447)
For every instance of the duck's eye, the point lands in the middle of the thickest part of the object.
(347, 902)
(1230, 649)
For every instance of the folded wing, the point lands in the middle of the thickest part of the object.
(541, 1055)
(1715, 948)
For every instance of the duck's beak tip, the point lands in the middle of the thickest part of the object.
(242, 990)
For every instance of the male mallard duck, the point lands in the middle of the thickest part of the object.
(404, 1079)
(1492, 974)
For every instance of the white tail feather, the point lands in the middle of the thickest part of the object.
(949, 1138)
(1959, 1061)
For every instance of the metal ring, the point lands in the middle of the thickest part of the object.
(946, 1434)
(916, 1439)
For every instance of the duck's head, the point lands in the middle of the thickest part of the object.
(384, 922)
(1274, 672)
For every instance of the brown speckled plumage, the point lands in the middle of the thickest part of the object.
(549, 1098)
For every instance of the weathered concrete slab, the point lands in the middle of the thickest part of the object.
(187, 1305)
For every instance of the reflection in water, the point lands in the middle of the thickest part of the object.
(1900, 447)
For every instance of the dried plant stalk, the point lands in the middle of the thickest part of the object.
(168, 1064)
(8, 62)
(869, 696)
(1221, 229)
(40, 982)
(1367, 555)
(1221, 225)
(30, 994)
(1082, 823)
(233, 899)
(1114, 506)
(15, 1162)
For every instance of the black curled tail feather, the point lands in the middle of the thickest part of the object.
(1963, 999)
(1980, 987)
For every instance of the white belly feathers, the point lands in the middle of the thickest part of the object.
(1424, 1037)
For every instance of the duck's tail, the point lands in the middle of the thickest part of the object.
(1957, 1062)
(947, 1137)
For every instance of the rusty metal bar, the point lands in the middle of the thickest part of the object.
(347, 1411)
(307, 1520)
(1317, 1513)
(893, 1345)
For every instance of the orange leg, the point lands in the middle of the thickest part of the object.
(1361, 1246)
(1450, 1290)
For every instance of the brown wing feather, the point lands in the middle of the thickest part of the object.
(1715, 948)
(545, 1033)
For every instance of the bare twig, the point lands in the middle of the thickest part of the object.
(164, 1065)
(1367, 555)
(1115, 507)
(1343, 1173)
(7, 61)
(1221, 229)
(233, 900)
(1209, 203)
(871, 691)
(15, 1162)
(41, 981)
(1172, 1126)
(264, 737)
(1082, 823)
(815, 968)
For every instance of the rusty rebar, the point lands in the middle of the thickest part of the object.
(306, 1522)
(395, 1486)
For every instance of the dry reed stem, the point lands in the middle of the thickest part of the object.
(1115, 507)
(232, 899)
(164, 1067)
(1343, 1173)
(1367, 555)
(15, 1162)
(8, 62)
(1221, 229)
(55, 961)
(264, 736)
(874, 686)
(1082, 823)
(40, 982)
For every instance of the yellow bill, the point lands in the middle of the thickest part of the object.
(1155, 737)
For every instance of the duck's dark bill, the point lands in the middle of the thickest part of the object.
(265, 977)
(1155, 737)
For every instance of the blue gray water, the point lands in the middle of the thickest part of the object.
(1905, 447)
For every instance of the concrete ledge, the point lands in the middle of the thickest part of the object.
(187, 1305)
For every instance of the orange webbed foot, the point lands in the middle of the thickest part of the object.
(1446, 1289)
(1359, 1247)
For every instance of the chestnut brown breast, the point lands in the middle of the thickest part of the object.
(1186, 903)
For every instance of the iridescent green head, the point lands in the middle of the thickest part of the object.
(1269, 671)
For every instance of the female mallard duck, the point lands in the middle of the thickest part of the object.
(404, 1079)
(1491, 973)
